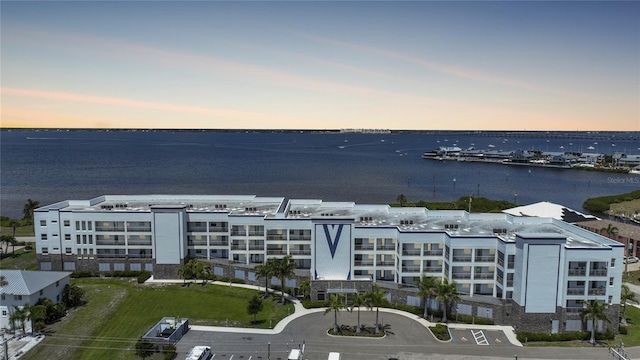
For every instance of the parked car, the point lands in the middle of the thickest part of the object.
(199, 353)
(630, 259)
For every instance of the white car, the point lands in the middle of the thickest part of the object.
(199, 353)
(630, 259)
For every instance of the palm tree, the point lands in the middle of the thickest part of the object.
(610, 230)
(594, 310)
(335, 305)
(8, 240)
(376, 298)
(359, 301)
(626, 295)
(285, 268)
(266, 270)
(29, 207)
(427, 288)
(13, 224)
(20, 315)
(305, 289)
(402, 199)
(186, 271)
(447, 293)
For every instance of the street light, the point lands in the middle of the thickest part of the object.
(269, 351)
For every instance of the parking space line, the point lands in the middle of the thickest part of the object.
(479, 337)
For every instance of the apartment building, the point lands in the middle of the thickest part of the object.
(530, 272)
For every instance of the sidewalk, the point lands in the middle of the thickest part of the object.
(302, 311)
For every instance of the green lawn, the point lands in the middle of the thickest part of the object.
(20, 230)
(632, 277)
(633, 334)
(22, 260)
(118, 312)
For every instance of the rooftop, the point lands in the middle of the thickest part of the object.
(26, 282)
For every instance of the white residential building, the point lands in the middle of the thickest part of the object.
(529, 271)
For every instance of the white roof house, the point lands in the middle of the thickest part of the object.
(25, 286)
(547, 209)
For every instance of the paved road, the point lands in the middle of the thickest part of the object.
(406, 339)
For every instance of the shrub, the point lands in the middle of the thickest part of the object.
(440, 331)
(474, 320)
(308, 304)
(623, 330)
(84, 274)
(143, 276)
(566, 336)
(169, 352)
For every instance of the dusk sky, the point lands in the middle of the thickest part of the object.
(321, 65)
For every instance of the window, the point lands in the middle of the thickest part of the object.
(43, 237)
(90, 225)
(41, 292)
(611, 281)
(57, 283)
(84, 225)
(43, 222)
(4, 313)
(17, 297)
(78, 239)
(45, 250)
(3, 297)
(77, 225)
(67, 237)
(613, 262)
(67, 251)
(610, 299)
(67, 223)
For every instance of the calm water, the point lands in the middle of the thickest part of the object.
(50, 166)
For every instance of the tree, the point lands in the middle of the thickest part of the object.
(594, 310)
(285, 268)
(305, 288)
(29, 207)
(376, 298)
(8, 240)
(427, 288)
(254, 307)
(186, 271)
(402, 199)
(359, 301)
(3, 281)
(335, 305)
(266, 270)
(19, 314)
(610, 230)
(72, 295)
(626, 295)
(447, 293)
(144, 348)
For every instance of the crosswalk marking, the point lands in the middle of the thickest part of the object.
(479, 337)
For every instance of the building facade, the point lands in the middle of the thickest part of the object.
(530, 272)
(24, 286)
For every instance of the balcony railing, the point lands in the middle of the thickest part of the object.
(218, 229)
(140, 256)
(598, 272)
(139, 242)
(575, 291)
(483, 276)
(433, 269)
(501, 261)
(364, 247)
(433, 253)
(256, 247)
(462, 258)
(386, 263)
(363, 263)
(509, 283)
(239, 247)
(276, 252)
(139, 229)
(110, 242)
(241, 232)
(510, 265)
(391, 247)
(111, 256)
(220, 243)
(411, 269)
(499, 279)
(411, 252)
(461, 275)
(577, 272)
(299, 237)
(597, 291)
(197, 242)
(300, 252)
(574, 310)
(485, 258)
(256, 233)
(197, 229)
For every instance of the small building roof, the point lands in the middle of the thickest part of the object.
(26, 282)
(548, 209)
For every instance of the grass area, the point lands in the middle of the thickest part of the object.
(22, 260)
(118, 312)
(633, 329)
(626, 207)
(20, 230)
(633, 277)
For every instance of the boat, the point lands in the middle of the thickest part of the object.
(491, 146)
(591, 148)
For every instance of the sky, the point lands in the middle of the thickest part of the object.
(424, 65)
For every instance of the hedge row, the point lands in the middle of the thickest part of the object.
(440, 331)
(566, 336)
(601, 204)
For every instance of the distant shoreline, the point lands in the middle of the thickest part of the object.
(595, 135)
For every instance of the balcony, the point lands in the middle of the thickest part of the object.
(275, 252)
(499, 279)
(110, 242)
(256, 247)
(386, 263)
(241, 247)
(139, 229)
(299, 237)
(364, 247)
(510, 265)
(575, 291)
(509, 283)
(197, 228)
(112, 256)
(220, 243)
(143, 256)
(501, 261)
(574, 310)
(391, 247)
(577, 272)
(223, 229)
